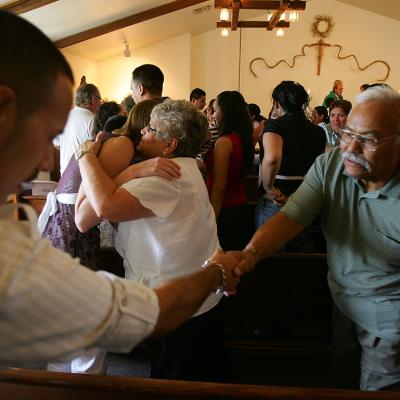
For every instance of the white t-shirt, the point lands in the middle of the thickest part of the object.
(181, 235)
(77, 131)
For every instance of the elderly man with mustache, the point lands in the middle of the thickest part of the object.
(356, 188)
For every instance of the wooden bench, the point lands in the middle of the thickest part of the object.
(286, 294)
(278, 326)
(19, 384)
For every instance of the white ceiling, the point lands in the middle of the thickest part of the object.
(66, 17)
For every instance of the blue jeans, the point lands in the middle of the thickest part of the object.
(300, 244)
(265, 210)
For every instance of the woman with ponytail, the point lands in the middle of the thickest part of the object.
(291, 143)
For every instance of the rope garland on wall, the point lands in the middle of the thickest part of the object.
(323, 32)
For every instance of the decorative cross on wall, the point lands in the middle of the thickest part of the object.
(321, 27)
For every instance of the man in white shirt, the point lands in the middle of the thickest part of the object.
(79, 124)
(50, 306)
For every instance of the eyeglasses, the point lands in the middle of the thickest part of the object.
(97, 97)
(371, 144)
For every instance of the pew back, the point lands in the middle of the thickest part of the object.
(19, 384)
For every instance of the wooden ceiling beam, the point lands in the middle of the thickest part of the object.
(235, 14)
(260, 5)
(252, 24)
(284, 5)
(23, 6)
(127, 21)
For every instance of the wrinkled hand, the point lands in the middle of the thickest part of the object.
(159, 166)
(93, 147)
(229, 262)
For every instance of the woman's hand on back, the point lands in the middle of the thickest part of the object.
(158, 166)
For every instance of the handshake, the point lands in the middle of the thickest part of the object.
(235, 264)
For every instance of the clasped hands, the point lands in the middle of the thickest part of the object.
(236, 264)
(276, 196)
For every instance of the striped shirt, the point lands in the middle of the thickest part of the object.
(51, 306)
(362, 231)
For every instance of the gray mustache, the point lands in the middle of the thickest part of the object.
(348, 155)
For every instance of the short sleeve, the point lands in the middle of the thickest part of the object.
(159, 195)
(272, 125)
(306, 202)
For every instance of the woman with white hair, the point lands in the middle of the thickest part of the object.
(166, 229)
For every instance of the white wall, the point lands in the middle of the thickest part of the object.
(367, 35)
(82, 66)
(215, 64)
(113, 75)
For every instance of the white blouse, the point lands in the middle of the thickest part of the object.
(181, 235)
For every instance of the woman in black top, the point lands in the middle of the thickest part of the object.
(291, 143)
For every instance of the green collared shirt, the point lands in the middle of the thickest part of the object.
(362, 231)
(331, 95)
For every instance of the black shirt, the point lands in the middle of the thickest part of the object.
(302, 143)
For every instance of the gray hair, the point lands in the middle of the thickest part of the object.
(382, 93)
(379, 93)
(84, 94)
(181, 120)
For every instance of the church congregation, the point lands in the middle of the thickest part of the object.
(197, 194)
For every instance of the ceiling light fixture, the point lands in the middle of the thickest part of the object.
(224, 14)
(279, 13)
(127, 51)
(294, 16)
(280, 32)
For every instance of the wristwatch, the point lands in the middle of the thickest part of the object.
(80, 153)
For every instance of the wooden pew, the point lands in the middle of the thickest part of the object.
(278, 326)
(19, 384)
(286, 293)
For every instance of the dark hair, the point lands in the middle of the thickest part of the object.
(255, 112)
(151, 77)
(345, 105)
(114, 122)
(378, 84)
(329, 101)
(364, 86)
(235, 118)
(292, 97)
(197, 94)
(321, 110)
(105, 111)
(29, 62)
(127, 103)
